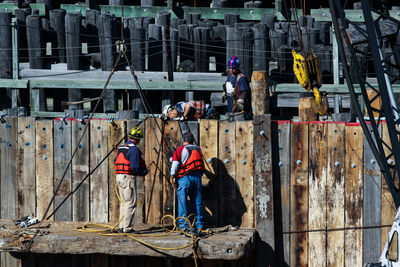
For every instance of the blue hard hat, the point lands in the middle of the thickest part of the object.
(233, 62)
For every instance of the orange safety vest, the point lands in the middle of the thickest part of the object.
(122, 165)
(193, 163)
(197, 110)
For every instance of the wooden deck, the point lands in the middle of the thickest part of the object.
(62, 238)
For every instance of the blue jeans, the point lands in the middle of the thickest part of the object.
(190, 185)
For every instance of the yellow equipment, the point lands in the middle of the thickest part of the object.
(136, 133)
(308, 74)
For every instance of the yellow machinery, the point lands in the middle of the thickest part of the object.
(308, 74)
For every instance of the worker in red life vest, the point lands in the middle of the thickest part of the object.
(187, 169)
(129, 164)
(237, 92)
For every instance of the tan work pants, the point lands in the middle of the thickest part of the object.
(127, 191)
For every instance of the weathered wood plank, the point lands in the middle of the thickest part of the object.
(244, 169)
(335, 193)
(263, 184)
(8, 175)
(153, 182)
(44, 166)
(117, 131)
(388, 210)
(353, 195)
(230, 204)
(140, 180)
(209, 146)
(26, 169)
(307, 109)
(317, 193)
(171, 140)
(98, 260)
(299, 194)
(80, 169)
(8, 179)
(62, 156)
(191, 126)
(99, 178)
(64, 239)
(281, 172)
(371, 206)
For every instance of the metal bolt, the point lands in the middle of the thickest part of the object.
(44, 129)
(44, 157)
(335, 148)
(27, 143)
(280, 164)
(390, 161)
(398, 13)
(62, 145)
(215, 10)
(145, 10)
(279, 148)
(298, 162)
(353, 165)
(170, 159)
(80, 146)
(251, 11)
(337, 163)
(98, 145)
(323, 14)
(226, 130)
(243, 162)
(44, 146)
(373, 161)
(28, 126)
(8, 143)
(226, 161)
(262, 133)
(208, 160)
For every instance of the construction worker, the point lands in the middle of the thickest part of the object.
(129, 164)
(190, 110)
(237, 92)
(186, 171)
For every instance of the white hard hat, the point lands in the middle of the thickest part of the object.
(165, 111)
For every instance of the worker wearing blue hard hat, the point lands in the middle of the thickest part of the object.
(237, 92)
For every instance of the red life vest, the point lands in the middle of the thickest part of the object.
(193, 163)
(122, 165)
(197, 110)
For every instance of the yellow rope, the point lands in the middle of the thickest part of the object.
(104, 229)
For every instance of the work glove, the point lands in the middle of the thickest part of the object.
(239, 105)
(173, 179)
(223, 97)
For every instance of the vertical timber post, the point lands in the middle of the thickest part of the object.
(259, 92)
(15, 94)
(6, 57)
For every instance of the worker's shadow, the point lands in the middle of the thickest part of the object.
(223, 201)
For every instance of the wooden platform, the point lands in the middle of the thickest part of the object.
(62, 238)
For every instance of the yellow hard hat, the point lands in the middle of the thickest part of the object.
(136, 133)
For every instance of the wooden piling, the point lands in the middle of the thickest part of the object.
(317, 191)
(353, 214)
(5, 57)
(62, 155)
(57, 23)
(335, 182)
(26, 154)
(155, 46)
(244, 169)
(259, 92)
(299, 194)
(73, 26)
(80, 169)
(99, 178)
(307, 109)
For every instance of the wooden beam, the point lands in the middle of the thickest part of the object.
(307, 109)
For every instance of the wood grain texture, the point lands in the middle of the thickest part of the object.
(99, 178)
(263, 183)
(209, 146)
(317, 193)
(335, 193)
(116, 133)
(282, 172)
(353, 195)
(299, 194)
(371, 205)
(80, 169)
(153, 181)
(44, 166)
(231, 206)
(26, 167)
(171, 140)
(62, 170)
(244, 169)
